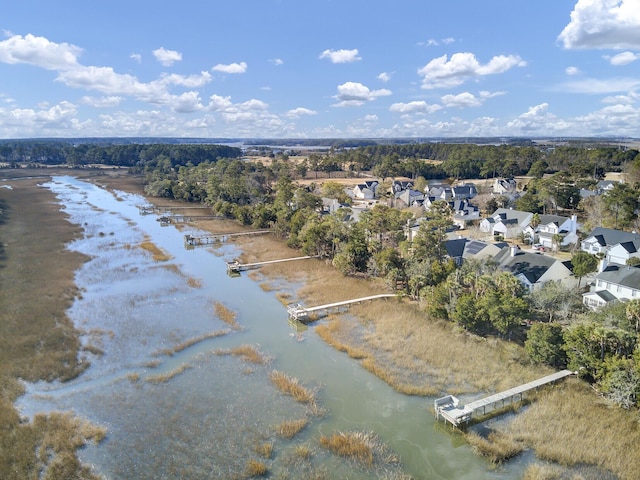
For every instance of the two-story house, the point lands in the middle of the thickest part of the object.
(614, 283)
(506, 222)
(615, 245)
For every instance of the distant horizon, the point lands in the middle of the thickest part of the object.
(321, 69)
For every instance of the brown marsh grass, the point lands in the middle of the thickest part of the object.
(255, 469)
(359, 446)
(192, 341)
(264, 449)
(290, 428)
(225, 314)
(291, 386)
(569, 425)
(249, 353)
(156, 252)
(37, 339)
(497, 447)
(537, 471)
(165, 377)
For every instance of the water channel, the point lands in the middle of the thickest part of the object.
(206, 421)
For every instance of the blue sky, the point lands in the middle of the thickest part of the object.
(319, 68)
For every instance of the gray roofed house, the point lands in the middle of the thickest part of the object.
(507, 222)
(614, 283)
(534, 269)
(616, 245)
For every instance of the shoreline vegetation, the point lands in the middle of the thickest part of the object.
(567, 425)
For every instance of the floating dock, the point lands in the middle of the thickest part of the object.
(450, 410)
(237, 267)
(297, 311)
(191, 241)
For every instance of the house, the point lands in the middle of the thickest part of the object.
(464, 213)
(551, 225)
(366, 190)
(506, 222)
(613, 283)
(461, 249)
(504, 186)
(465, 191)
(617, 246)
(408, 198)
(441, 192)
(401, 185)
(601, 187)
(533, 269)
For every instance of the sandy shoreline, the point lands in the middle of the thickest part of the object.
(392, 339)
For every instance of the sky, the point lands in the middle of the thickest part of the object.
(320, 68)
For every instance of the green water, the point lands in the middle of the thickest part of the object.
(207, 421)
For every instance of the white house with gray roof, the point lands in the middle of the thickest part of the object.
(614, 283)
(617, 246)
(506, 222)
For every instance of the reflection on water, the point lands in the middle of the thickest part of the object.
(212, 412)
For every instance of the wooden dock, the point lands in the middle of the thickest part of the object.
(298, 311)
(191, 241)
(150, 209)
(166, 220)
(450, 410)
(236, 267)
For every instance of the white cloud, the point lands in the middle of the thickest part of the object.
(102, 102)
(628, 99)
(418, 106)
(167, 57)
(299, 112)
(384, 76)
(353, 94)
(40, 52)
(538, 119)
(461, 100)
(231, 68)
(136, 56)
(571, 71)
(191, 81)
(56, 120)
(601, 86)
(443, 72)
(624, 58)
(603, 24)
(277, 61)
(341, 56)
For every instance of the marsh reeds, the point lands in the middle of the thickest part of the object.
(165, 377)
(291, 386)
(585, 429)
(354, 445)
(290, 428)
(249, 353)
(496, 447)
(255, 469)
(225, 314)
(264, 449)
(156, 252)
(192, 341)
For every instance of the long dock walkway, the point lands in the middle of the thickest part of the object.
(449, 407)
(298, 312)
(237, 267)
(149, 209)
(191, 241)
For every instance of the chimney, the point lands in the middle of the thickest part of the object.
(604, 263)
(514, 250)
(574, 224)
